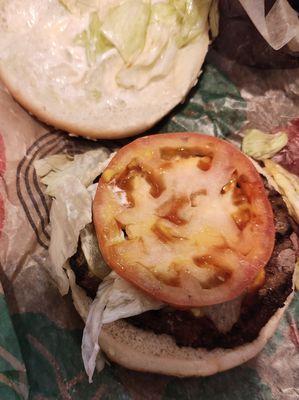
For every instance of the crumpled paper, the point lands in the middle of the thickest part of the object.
(280, 26)
(235, 91)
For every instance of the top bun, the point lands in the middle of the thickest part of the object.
(48, 71)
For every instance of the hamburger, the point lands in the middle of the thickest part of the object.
(103, 68)
(203, 252)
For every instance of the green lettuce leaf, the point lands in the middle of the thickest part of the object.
(116, 299)
(180, 6)
(173, 24)
(69, 182)
(163, 25)
(125, 26)
(260, 145)
(85, 167)
(194, 19)
(138, 76)
(287, 185)
(70, 213)
(159, 52)
(93, 40)
(214, 19)
(145, 35)
(80, 6)
(90, 248)
(81, 300)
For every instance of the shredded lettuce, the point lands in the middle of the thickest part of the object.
(157, 57)
(214, 18)
(84, 167)
(284, 182)
(93, 40)
(287, 185)
(90, 248)
(139, 76)
(69, 182)
(80, 6)
(79, 296)
(172, 25)
(147, 35)
(262, 171)
(125, 26)
(162, 26)
(224, 315)
(116, 299)
(90, 341)
(194, 20)
(261, 146)
(93, 188)
(180, 6)
(70, 212)
(54, 163)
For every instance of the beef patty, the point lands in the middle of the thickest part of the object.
(256, 308)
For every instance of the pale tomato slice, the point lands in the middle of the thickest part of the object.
(185, 217)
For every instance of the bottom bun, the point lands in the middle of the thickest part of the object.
(145, 351)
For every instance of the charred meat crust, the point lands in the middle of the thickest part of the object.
(256, 309)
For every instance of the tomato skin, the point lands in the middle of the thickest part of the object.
(126, 256)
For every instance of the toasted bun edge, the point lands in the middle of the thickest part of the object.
(145, 351)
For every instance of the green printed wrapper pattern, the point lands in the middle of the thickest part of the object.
(13, 381)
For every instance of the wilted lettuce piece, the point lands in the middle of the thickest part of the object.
(144, 34)
(93, 40)
(262, 171)
(163, 25)
(69, 181)
(261, 146)
(92, 189)
(157, 57)
(125, 26)
(90, 248)
(70, 213)
(180, 6)
(224, 315)
(138, 76)
(80, 6)
(172, 24)
(81, 300)
(85, 167)
(96, 94)
(194, 20)
(116, 299)
(287, 184)
(159, 52)
(56, 163)
(214, 18)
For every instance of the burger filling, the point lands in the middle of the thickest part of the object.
(225, 325)
(185, 239)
